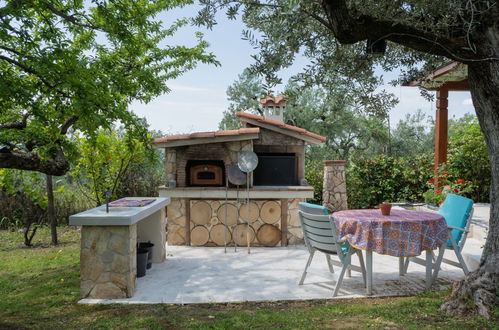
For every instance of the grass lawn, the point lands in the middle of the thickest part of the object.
(39, 288)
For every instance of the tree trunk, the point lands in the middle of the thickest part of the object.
(478, 290)
(51, 210)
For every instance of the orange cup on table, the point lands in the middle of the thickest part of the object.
(385, 208)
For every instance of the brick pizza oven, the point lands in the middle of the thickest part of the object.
(196, 168)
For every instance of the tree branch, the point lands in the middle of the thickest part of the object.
(11, 50)
(19, 124)
(71, 18)
(27, 69)
(70, 122)
(350, 27)
(308, 13)
(31, 161)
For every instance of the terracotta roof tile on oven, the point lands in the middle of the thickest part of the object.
(207, 137)
(275, 99)
(171, 138)
(202, 135)
(254, 119)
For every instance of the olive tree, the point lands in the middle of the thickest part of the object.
(415, 35)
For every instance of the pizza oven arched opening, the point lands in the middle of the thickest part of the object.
(205, 173)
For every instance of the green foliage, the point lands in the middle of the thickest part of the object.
(243, 95)
(333, 113)
(23, 198)
(412, 136)
(79, 64)
(468, 157)
(371, 181)
(31, 184)
(314, 173)
(144, 176)
(330, 112)
(104, 160)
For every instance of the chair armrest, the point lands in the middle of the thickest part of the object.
(457, 228)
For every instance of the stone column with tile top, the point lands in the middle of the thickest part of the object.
(107, 261)
(334, 192)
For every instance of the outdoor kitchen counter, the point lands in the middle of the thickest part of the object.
(256, 192)
(108, 255)
(118, 216)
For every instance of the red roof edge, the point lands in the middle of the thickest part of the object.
(208, 135)
(279, 124)
(444, 69)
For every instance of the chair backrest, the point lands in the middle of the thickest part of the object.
(313, 208)
(457, 211)
(319, 230)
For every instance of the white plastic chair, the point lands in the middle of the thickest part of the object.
(319, 232)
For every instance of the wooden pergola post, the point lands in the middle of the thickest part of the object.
(441, 127)
(450, 77)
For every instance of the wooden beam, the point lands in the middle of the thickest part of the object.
(441, 127)
(284, 222)
(462, 85)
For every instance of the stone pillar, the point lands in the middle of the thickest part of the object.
(294, 231)
(334, 192)
(170, 166)
(108, 262)
(176, 215)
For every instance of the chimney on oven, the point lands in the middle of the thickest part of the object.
(274, 107)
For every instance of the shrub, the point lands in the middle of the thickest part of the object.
(371, 181)
(468, 157)
(314, 173)
(23, 198)
(447, 184)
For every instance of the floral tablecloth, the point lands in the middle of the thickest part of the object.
(403, 233)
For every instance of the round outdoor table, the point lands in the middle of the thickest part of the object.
(404, 233)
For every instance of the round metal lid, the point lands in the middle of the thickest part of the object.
(247, 161)
(235, 175)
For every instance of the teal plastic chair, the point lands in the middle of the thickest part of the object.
(458, 212)
(319, 233)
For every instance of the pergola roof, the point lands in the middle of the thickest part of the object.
(452, 77)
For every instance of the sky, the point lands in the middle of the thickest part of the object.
(198, 98)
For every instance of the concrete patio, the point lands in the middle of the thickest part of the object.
(207, 275)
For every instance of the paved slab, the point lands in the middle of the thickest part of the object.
(480, 221)
(208, 275)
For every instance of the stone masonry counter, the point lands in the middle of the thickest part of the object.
(108, 267)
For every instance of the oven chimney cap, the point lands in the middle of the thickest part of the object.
(274, 107)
